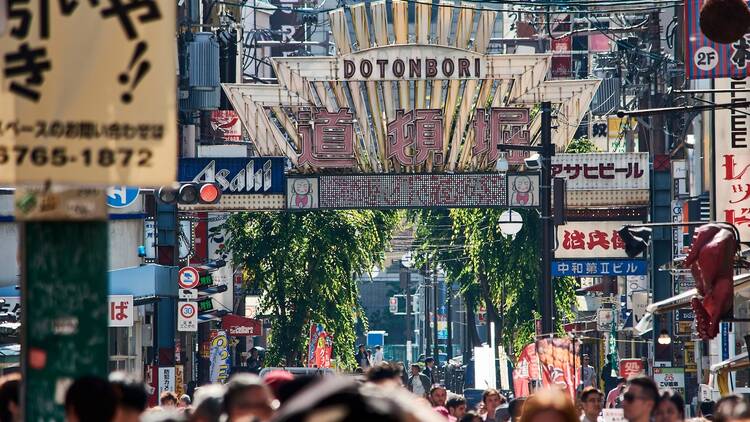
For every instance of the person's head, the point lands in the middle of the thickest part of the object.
(90, 399)
(492, 399)
(706, 408)
(247, 395)
(10, 411)
(515, 407)
(585, 359)
(471, 417)
(208, 403)
(640, 399)
(591, 402)
(731, 408)
(384, 373)
(671, 408)
(438, 395)
(132, 398)
(456, 406)
(414, 369)
(167, 399)
(429, 362)
(377, 348)
(276, 380)
(254, 353)
(184, 401)
(361, 348)
(549, 405)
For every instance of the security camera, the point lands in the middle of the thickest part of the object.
(534, 162)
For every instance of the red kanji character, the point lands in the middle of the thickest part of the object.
(598, 238)
(118, 310)
(617, 242)
(429, 136)
(737, 220)
(590, 172)
(329, 141)
(498, 126)
(604, 168)
(744, 189)
(573, 168)
(574, 240)
(400, 137)
(634, 171)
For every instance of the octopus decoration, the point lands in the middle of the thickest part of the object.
(711, 261)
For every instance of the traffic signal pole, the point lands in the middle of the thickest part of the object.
(546, 289)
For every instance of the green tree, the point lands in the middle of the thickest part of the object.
(305, 265)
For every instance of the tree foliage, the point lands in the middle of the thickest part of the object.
(305, 265)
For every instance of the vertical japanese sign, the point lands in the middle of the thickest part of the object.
(166, 379)
(732, 159)
(705, 59)
(320, 349)
(121, 311)
(219, 356)
(87, 92)
(558, 360)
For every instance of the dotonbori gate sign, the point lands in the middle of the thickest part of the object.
(383, 106)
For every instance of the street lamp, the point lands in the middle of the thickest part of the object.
(510, 223)
(501, 166)
(664, 338)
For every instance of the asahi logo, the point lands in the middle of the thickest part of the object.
(253, 178)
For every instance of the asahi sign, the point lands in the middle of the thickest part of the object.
(411, 63)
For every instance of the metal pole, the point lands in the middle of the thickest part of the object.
(435, 300)
(427, 331)
(408, 332)
(449, 347)
(545, 193)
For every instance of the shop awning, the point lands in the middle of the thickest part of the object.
(144, 281)
(732, 364)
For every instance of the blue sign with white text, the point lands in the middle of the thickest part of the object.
(236, 175)
(122, 196)
(598, 267)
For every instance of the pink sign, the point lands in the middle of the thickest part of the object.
(225, 125)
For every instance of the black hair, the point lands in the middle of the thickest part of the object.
(130, 392)
(469, 416)
(676, 399)
(92, 399)
(648, 386)
(239, 383)
(9, 387)
(383, 371)
(428, 360)
(455, 401)
(707, 407)
(515, 406)
(589, 391)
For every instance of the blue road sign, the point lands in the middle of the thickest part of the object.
(598, 267)
(122, 196)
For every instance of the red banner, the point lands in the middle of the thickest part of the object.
(240, 326)
(527, 369)
(558, 361)
(630, 367)
(321, 347)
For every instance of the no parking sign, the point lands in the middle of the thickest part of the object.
(187, 316)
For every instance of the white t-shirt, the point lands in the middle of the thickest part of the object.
(416, 386)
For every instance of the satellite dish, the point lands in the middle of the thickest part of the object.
(510, 223)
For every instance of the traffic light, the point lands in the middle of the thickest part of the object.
(190, 193)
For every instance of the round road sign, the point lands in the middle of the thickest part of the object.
(188, 278)
(188, 309)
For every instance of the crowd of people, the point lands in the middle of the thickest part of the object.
(382, 393)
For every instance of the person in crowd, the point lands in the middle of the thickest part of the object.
(10, 410)
(361, 357)
(276, 380)
(254, 361)
(132, 398)
(731, 408)
(613, 397)
(248, 397)
(471, 416)
(184, 402)
(515, 408)
(343, 399)
(456, 406)
(491, 399)
(404, 374)
(438, 395)
(591, 403)
(429, 370)
(610, 381)
(549, 405)
(419, 383)
(384, 374)
(90, 399)
(208, 403)
(640, 399)
(588, 373)
(369, 357)
(706, 409)
(377, 357)
(442, 411)
(671, 408)
(168, 399)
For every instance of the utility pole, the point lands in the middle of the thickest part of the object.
(427, 330)
(449, 348)
(436, 299)
(546, 290)
(405, 283)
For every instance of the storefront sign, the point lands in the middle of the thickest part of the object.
(671, 378)
(219, 356)
(705, 59)
(602, 171)
(166, 379)
(732, 159)
(413, 191)
(240, 326)
(590, 240)
(121, 311)
(411, 62)
(258, 175)
(691, 364)
(598, 267)
(630, 367)
(179, 380)
(82, 99)
(225, 125)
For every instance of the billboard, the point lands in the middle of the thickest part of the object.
(598, 267)
(236, 175)
(491, 190)
(602, 171)
(732, 159)
(590, 239)
(705, 59)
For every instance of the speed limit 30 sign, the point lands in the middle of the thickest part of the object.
(187, 316)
